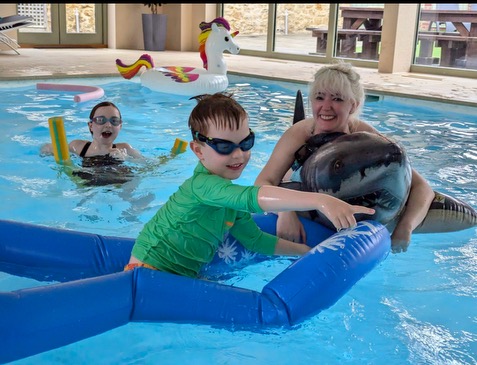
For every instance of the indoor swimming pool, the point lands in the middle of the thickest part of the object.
(417, 307)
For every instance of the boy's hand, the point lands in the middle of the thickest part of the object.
(340, 213)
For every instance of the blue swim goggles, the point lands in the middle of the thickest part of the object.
(224, 147)
(100, 120)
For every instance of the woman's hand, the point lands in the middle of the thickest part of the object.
(401, 238)
(290, 228)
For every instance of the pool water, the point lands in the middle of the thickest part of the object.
(417, 307)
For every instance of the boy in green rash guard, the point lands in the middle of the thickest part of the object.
(187, 230)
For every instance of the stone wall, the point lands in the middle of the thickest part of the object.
(86, 15)
(251, 19)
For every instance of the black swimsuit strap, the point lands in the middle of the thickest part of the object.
(85, 149)
(86, 146)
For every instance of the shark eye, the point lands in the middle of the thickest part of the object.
(338, 165)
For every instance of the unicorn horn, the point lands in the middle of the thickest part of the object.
(234, 33)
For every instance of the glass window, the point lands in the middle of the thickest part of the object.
(41, 15)
(294, 25)
(296, 28)
(251, 20)
(359, 31)
(446, 36)
(80, 18)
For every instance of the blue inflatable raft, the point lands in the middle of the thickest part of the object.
(88, 293)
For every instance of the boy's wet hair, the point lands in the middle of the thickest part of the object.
(219, 109)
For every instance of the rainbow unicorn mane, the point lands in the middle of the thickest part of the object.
(128, 72)
(206, 28)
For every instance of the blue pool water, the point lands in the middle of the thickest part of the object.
(417, 307)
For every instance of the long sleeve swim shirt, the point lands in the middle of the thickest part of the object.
(186, 231)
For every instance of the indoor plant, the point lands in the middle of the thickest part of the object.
(154, 28)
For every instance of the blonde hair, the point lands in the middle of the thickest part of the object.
(341, 79)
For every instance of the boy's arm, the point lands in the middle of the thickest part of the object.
(340, 213)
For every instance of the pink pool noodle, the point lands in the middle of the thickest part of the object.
(89, 92)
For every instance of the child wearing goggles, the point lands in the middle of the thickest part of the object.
(187, 230)
(104, 125)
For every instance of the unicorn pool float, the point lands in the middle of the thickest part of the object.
(214, 39)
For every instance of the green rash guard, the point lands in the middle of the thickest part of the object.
(186, 231)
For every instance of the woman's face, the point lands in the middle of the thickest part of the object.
(107, 132)
(227, 166)
(332, 112)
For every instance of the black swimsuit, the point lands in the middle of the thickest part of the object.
(102, 169)
(86, 147)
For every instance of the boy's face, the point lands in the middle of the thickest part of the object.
(227, 166)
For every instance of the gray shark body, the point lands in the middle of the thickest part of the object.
(374, 171)
(360, 168)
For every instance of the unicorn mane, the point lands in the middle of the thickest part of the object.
(206, 28)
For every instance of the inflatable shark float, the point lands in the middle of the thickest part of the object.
(378, 176)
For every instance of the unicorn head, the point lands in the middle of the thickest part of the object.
(214, 39)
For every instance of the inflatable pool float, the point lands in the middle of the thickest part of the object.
(87, 92)
(59, 143)
(90, 293)
(379, 177)
(214, 39)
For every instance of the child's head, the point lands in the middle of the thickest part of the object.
(221, 136)
(105, 121)
(220, 110)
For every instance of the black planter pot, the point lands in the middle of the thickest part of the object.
(154, 29)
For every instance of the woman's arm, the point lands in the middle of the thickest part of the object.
(283, 154)
(420, 198)
(365, 127)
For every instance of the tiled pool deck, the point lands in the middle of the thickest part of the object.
(63, 63)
